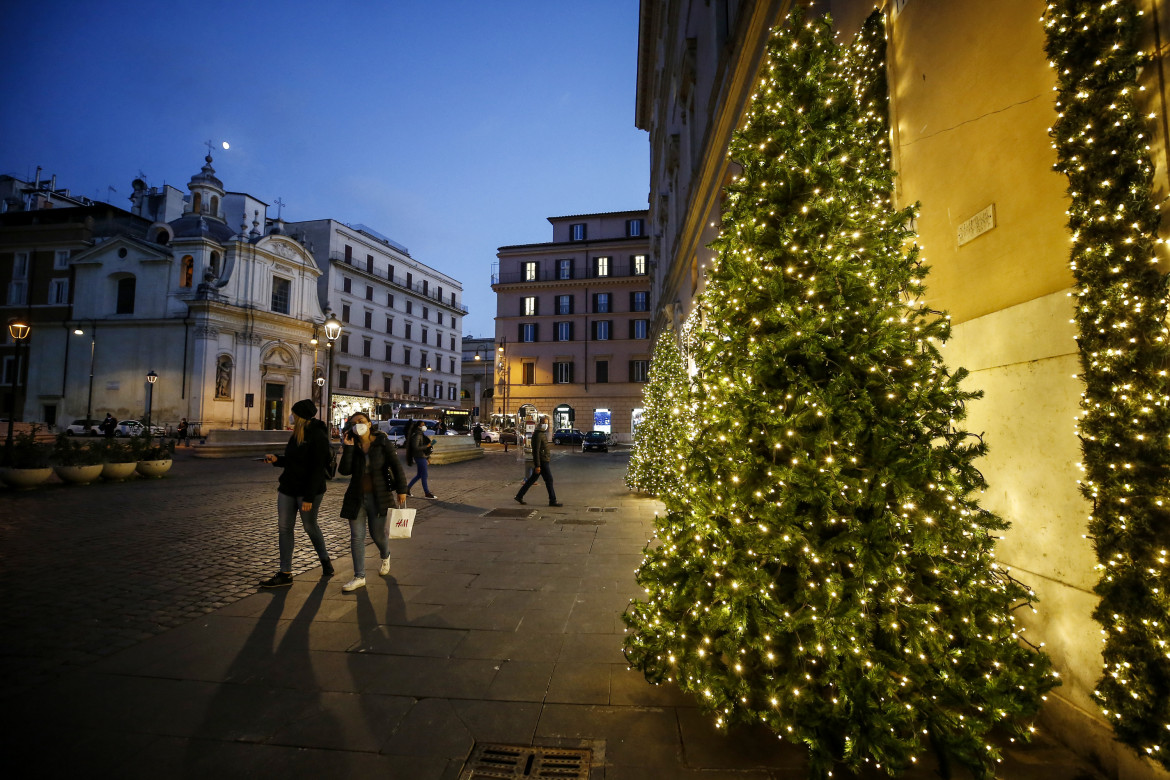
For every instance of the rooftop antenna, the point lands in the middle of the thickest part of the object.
(279, 205)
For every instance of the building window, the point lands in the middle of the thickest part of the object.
(451, 393)
(389, 352)
(633, 228)
(125, 304)
(369, 264)
(349, 254)
(601, 330)
(602, 371)
(452, 316)
(187, 271)
(439, 295)
(528, 307)
(61, 259)
(638, 369)
(564, 304)
(601, 303)
(17, 292)
(389, 300)
(59, 291)
(345, 342)
(639, 265)
(577, 232)
(531, 270)
(450, 365)
(452, 343)
(366, 345)
(406, 355)
(423, 387)
(564, 269)
(409, 280)
(342, 377)
(369, 293)
(439, 340)
(346, 284)
(365, 381)
(562, 373)
(387, 387)
(601, 266)
(345, 313)
(20, 265)
(390, 325)
(528, 332)
(424, 287)
(390, 272)
(406, 385)
(406, 329)
(563, 331)
(639, 329)
(410, 307)
(369, 319)
(426, 312)
(529, 374)
(640, 301)
(452, 299)
(425, 335)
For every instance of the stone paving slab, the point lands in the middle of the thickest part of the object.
(162, 657)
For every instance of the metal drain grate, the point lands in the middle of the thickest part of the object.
(508, 761)
(601, 509)
(581, 521)
(510, 513)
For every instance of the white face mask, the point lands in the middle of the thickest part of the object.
(361, 429)
(543, 426)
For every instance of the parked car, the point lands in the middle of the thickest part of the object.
(136, 428)
(567, 436)
(430, 425)
(509, 436)
(396, 433)
(490, 435)
(84, 428)
(596, 440)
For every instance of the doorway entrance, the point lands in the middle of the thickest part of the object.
(273, 407)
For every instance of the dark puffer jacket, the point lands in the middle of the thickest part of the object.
(389, 477)
(419, 445)
(304, 463)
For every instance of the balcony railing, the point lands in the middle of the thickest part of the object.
(616, 270)
(400, 282)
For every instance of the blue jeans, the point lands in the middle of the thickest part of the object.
(357, 533)
(546, 475)
(422, 474)
(286, 517)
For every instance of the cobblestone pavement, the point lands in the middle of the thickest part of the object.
(88, 570)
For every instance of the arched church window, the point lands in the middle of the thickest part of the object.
(187, 271)
(197, 202)
(214, 206)
(124, 303)
(215, 263)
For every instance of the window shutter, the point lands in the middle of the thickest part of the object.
(536, 306)
(536, 331)
(631, 371)
(593, 330)
(571, 366)
(572, 299)
(571, 324)
(520, 332)
(631, 324)
(631, 302)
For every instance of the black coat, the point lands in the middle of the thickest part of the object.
(383, 457)
(304, 463)
(540, 451)
(419, 446)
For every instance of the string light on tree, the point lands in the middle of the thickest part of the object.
(662, 435)
(1102, 146)
(827, 569)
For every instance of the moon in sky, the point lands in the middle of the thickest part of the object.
(226, 145)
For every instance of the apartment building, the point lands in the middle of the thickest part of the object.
(573, 323)
(401, 342)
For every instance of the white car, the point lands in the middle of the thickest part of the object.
(84, 428)
(136, 428)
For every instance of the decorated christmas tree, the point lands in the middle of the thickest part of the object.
(665, 428)
(1101, 138)
(828, 570)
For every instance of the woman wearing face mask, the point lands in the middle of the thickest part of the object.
(541, 458)
(301, 487)
(418, 451)
(370, 459)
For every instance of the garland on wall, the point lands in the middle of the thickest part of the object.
(827, 569)
(1101, 141)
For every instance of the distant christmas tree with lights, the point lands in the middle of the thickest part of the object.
(827, 570)
(662, 435)
(1102, 145)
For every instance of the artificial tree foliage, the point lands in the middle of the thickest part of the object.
(1102, 145)
(665, 429)
(827, 569)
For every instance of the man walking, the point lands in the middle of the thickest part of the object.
(541, 456)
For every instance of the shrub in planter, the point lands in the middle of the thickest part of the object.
(28, 465)
(76, 462)
(155, 456)
(119, 460)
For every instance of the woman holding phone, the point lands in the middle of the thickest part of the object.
(377, 483)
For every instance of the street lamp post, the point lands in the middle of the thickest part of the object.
(502, 363)
(151, 378)
(18, 329)
(92, 346)
(332, 333)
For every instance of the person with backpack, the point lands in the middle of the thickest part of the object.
(418, 450)
(306, 462)
(370, 459)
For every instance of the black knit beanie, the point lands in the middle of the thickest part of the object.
(305, 408)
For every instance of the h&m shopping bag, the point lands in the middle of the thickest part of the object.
(400, 523)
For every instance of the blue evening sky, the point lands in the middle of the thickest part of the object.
(451, 126)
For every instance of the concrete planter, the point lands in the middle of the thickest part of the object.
(154, 468)
(78, 475)
(23, 479)
(116, 472)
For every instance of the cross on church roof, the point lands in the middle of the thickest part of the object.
(208, 144)
(279, 205)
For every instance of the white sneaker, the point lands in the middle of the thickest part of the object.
(354, 584)
(384, 569)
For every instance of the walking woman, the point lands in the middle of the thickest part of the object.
(418, 450)
(370, 459)
(301, 487)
